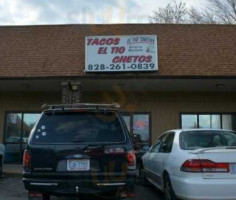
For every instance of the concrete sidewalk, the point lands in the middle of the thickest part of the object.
(12, 169)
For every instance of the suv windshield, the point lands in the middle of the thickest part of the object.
(73, 127)
(191, 140)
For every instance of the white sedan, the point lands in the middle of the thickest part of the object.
(193, 164)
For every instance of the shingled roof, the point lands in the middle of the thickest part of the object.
(59, 50)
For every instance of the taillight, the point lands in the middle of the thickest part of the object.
(131, 158)
(203, 165)
(26, 159)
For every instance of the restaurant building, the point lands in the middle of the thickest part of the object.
(163, 76)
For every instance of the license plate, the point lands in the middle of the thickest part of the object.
(233, 168)
(78, 165)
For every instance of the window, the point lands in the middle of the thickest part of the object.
(13, 128)
(85, 127)
(139, 124)
(189, 121)
(164, 143)
(157, 145)
(167, 143)
(18, 126)
(127, 120)
(191, 140)
(209, 121)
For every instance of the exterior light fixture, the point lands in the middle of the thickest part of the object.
(220, 86)
(74, 87)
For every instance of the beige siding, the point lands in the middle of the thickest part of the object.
(165, 107)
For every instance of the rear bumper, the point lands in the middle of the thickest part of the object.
(71, 187)
(204, 189)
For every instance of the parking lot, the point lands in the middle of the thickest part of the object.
(11, 188)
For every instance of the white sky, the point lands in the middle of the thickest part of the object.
(27, 12)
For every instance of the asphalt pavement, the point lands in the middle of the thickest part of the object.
(11, 188)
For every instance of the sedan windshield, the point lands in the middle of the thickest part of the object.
(191, 140)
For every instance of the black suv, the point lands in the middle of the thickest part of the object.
(82, 149)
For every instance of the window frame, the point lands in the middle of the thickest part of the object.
(21, 128)
(131, 115)
(204, 113)
(167, 135)
(156, 143)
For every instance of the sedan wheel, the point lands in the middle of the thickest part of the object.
(169, 193)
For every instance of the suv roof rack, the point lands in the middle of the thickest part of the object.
(81, 105)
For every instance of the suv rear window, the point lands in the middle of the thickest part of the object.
(191, 140)
(78, 127)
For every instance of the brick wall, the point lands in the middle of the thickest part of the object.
(59, 50)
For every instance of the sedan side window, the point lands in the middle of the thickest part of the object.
(157, 146)
(166, 145)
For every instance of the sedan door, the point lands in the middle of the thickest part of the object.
(160, 158)
(150, 162)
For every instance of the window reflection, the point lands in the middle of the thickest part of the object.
(189, 121)
(215, 122)
(141, 126)
(204, 121)
(18, 127)
(227, 122)
(13, 128)
(29, 121)
(209, 121)
(127, 120)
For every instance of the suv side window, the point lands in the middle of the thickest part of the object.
(157, 145)
(167, 143)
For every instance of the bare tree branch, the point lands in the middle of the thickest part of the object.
(201, 17)
(173, 13)
(223, 10)
(217, 11)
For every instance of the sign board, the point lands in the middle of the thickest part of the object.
(121, 53)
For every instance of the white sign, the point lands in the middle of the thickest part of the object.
(121, 53)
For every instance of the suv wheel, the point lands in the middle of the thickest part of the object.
(169, 193)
